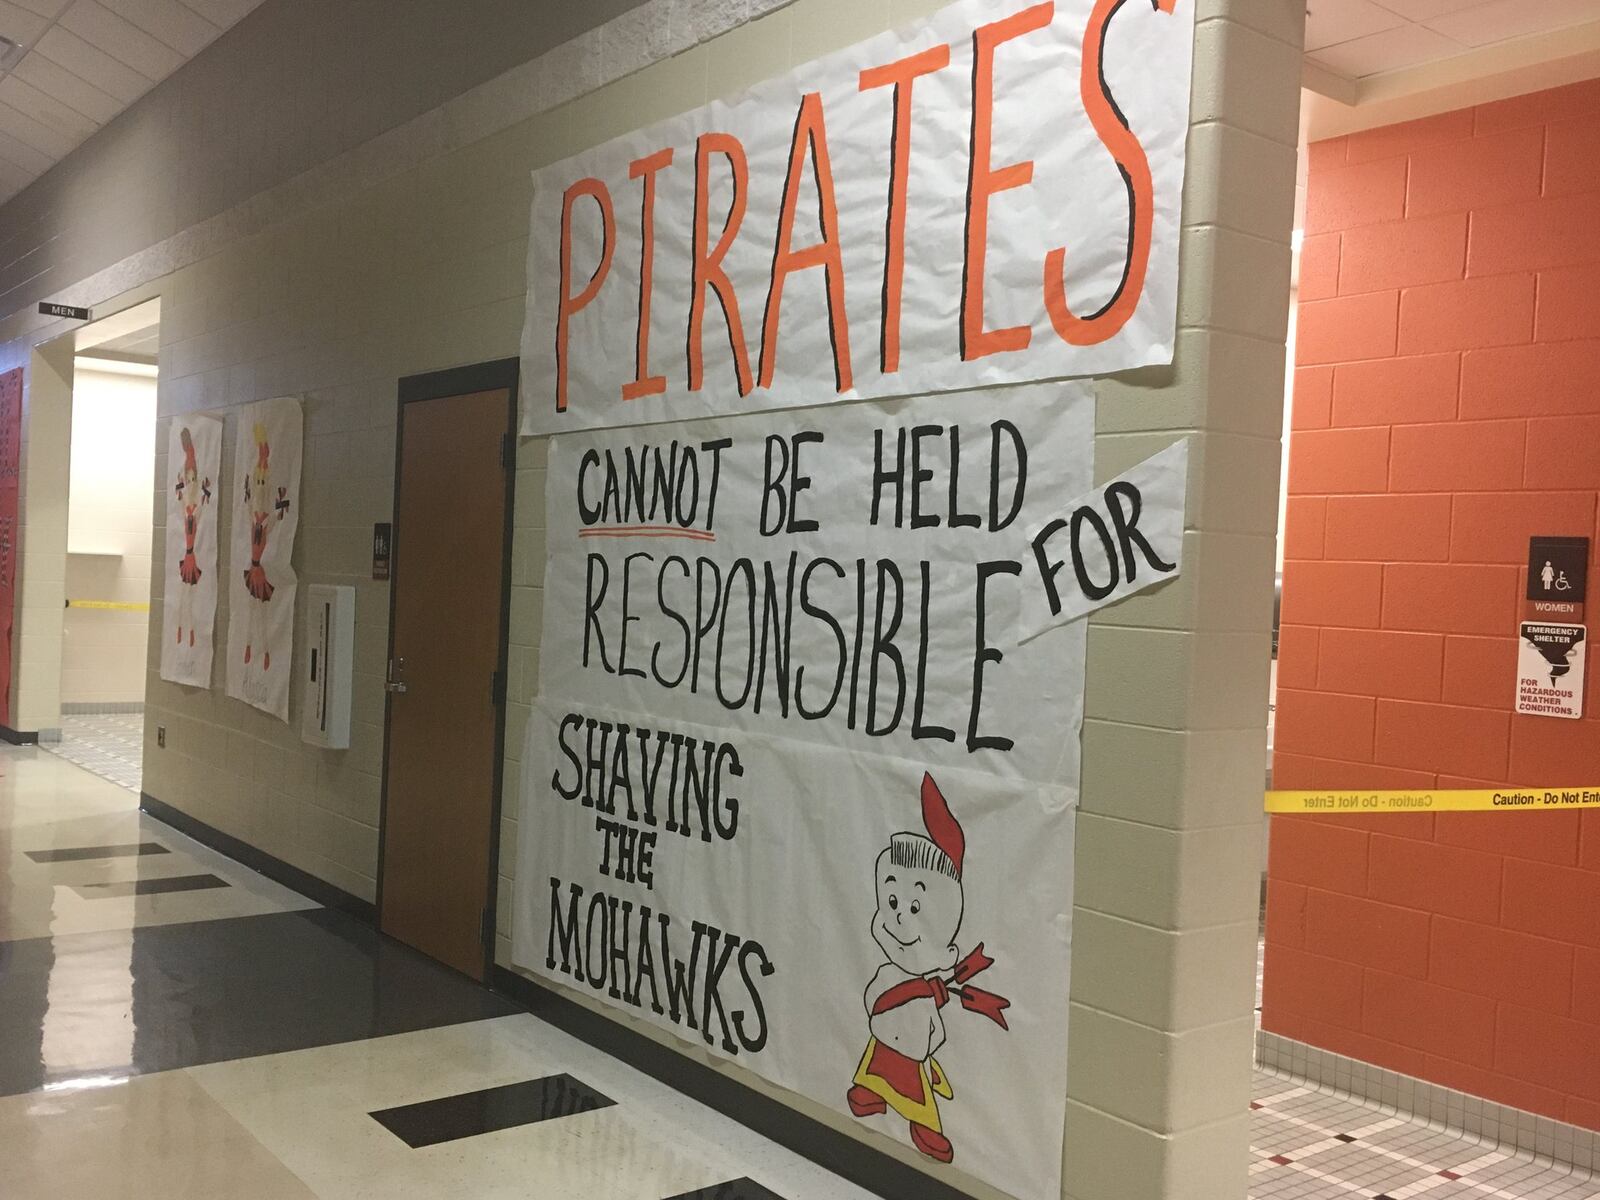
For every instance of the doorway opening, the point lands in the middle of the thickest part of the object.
(105, 479)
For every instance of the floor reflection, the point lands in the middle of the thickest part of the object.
(130, 1002)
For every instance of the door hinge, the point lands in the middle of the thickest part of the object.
(508, 451)
(497, 688)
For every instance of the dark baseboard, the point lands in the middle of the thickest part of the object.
(260, 861)
(17, 737)
(843, 1155)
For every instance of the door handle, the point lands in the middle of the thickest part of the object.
(394, 687)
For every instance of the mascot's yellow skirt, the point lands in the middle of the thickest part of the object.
(904, 1084)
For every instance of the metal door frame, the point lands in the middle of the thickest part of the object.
(439, 385)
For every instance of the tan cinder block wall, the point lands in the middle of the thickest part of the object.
(42, 566)
(407, 255)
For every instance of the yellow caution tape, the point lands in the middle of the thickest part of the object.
(1361, 800)
(114, 605)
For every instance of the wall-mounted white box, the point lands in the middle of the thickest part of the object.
(326, 715)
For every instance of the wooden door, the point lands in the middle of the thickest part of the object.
(446, 670)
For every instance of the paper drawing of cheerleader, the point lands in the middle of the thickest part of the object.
(920, 903)
(193, 494)
(264, 507)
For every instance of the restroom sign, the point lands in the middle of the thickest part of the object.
(1550, 669)
(1557, 570)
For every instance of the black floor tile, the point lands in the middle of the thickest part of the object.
(84, 853)
(444, 1120)
(167, 996)
(733, 1189)
(148, 887)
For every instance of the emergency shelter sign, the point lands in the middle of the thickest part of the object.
(800, 781)
(988, 196)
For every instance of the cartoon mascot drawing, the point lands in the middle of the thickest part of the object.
(919, 913)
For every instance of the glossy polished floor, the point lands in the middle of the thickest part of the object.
(174, 1026)
(110, 745)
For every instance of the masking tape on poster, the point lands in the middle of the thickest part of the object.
(1335, 801)
(113, 605)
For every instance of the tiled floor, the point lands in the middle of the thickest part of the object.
(173, 1025)
(1312, 1145)
(109, 744)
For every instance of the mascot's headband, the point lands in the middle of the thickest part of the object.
(943, 828)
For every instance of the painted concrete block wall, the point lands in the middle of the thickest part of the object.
(1445, 409)
(42, 568)
(108, 537)
(407, 255)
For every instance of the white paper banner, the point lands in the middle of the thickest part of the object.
(990, 195)
(760, 633)
(189, 592)
(261, 588)
(1108, 543)
(754, 895)
(878, 617)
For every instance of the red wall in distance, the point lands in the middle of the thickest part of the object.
(1446, 407)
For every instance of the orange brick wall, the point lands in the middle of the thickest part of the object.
(1446, 407)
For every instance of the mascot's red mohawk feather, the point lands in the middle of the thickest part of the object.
(943, 828)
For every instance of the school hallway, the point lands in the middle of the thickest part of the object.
(174, 1025)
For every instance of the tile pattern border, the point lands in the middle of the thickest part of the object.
(1528, 1134)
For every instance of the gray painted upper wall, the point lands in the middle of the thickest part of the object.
(296, 83)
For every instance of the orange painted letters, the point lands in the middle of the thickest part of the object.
(708, 270)
(1112, 128)
(810, 132)
(571, 304)
(983, 181)
(901, 74)
(644, 383)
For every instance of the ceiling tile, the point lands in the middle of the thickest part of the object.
(49, 9)
(69, 88)
(89, 62)
(121, 39)
(13, 178)
(24, 155)
(1485, 24)
(185, 30)
(223, 13)
(47, 110)
(20, 24)
(1392, 50)
(86, 61)
(33, 132)
(1424, 10)
(1329, 22)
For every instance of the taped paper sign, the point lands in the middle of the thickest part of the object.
(987, 196)
(261, 589)
(1109, 543)
(189, 591)
(1550, 669)
(787, 763)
